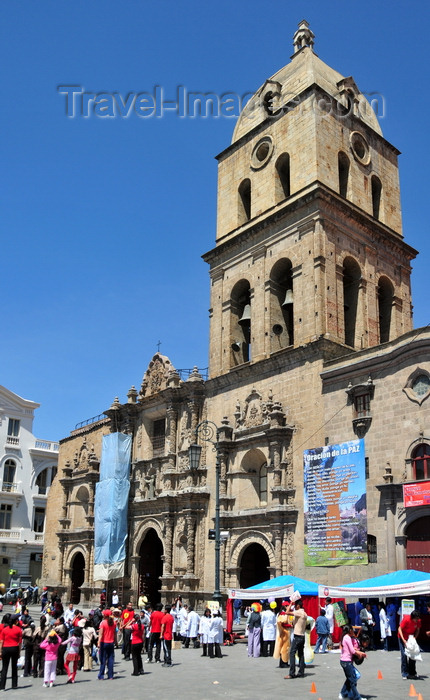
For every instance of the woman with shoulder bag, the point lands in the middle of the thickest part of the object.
(350, 649)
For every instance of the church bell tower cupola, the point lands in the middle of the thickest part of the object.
(309, 240)
(303, 37)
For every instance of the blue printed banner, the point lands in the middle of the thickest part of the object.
(110, 507)
(335, 506)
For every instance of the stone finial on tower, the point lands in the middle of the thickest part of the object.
(303, 37)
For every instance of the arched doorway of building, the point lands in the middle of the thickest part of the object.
(418, 544)
(151, 567)
(254, 566)
(78, 577)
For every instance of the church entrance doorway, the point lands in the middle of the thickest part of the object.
(151, 567)
(254, 566)
(78, 576)
(418, 544)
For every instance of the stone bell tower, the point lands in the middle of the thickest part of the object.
(309, 240)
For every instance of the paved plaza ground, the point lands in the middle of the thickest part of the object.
(235, 676)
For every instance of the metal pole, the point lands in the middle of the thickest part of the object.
(217, 593)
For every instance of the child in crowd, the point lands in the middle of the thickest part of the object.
(51, 645)
(73, 653)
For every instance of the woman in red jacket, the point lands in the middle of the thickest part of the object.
(10, 648)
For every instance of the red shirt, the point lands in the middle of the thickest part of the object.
(156, 618)
(167, 621)
(107, 632)
(409, 626)
(126, 617)
(11, 636)
(137, 633)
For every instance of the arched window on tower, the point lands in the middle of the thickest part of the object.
(376, 196)
(421, 462)
(351, 282)
(244, 203)
(240, 322)
(281, 305)
(385, 305)
(282, 187)
(343, 169)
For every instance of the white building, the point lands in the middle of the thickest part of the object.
(27, 468)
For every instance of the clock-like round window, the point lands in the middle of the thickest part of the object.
(421, 385)
(360, 148)
(262, 153)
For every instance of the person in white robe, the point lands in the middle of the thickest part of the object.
(192, 629)
(268, 631)
(183, 623)
(384, 626)
(204, 630)
(216, 636)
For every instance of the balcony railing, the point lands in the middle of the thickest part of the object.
(12, 440)
(9, 487)
(10, 534)
(48, 445)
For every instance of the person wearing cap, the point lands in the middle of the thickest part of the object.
(43, 598)
(298, 645)
(106, 644)
(10, 649)
(115, 598)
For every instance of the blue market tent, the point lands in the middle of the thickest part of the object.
(402, 577)
(397, 583)
(300, 584)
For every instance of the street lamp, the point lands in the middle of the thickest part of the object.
(208, 432)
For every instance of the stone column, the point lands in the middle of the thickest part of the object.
(191, 539)
(277, 536)
(172, 423)
(168, 544)
(134, 563)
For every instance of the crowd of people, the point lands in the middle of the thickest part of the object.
(65, 641)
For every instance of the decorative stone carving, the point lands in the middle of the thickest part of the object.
(139, 437)
(185, 437)
(157, 375)
(83, 456)
(150, 485)
(257, 412)
(289, 552)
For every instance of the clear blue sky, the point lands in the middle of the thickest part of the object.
(104, 220)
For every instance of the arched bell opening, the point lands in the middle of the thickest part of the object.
(281, 305)
(240, 323)
(351, 282)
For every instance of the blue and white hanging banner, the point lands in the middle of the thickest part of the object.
(110, 508)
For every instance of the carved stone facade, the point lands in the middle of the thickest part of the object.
(311, 343)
